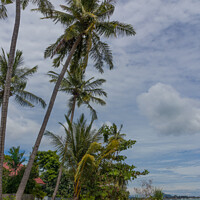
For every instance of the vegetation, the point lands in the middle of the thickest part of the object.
(111, 173)
(11, 180)
(18, 81)
(87, 163)
(85, 24)
(43, 4)
(82, 91)
(148, 191)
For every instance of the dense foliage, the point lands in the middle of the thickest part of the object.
(92, 164)
(11, 181)
(110, 178)
(48, 163)
(100, 172)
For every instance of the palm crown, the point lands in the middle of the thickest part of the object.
(18, 81)
(82, 91)
(90, 19)
(42, 4)
(78, 138)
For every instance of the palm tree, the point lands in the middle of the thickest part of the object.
(15, 158)
(82, 91)
(76, 142)
(85, 22)
(4, 110)
(18, 81)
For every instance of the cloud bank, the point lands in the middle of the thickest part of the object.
(168, 112)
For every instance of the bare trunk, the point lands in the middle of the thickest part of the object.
(73, 109)
(61, 166)
(25, 177)
(4, 110)
(58, 182)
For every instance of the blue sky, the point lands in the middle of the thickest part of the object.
(153, 90)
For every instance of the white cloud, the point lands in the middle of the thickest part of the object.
(193, 171)
(168, 112)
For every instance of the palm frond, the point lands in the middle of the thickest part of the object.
(28, 72)
(24, 3)
(94, 84)
(114, 29)
(97, 91)
(27, 96)
(62, 17)
(57, 141)
(105, 10)
(18, 61)
(92, 111)
(98, 101)
(43, 5)
(3, 12)
(23, 102)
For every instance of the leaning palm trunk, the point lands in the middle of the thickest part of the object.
(25, 177)
(58, 182)
(61, 166)
(73, 110)
(4, 110)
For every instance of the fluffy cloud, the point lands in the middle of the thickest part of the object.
(168, 112)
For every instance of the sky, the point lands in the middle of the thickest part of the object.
(153, 89)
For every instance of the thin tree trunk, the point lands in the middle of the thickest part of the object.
(58, 181)
(73, 109)
(4, 110)
(61, 166)
(25, 177)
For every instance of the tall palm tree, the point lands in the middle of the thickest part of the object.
(18, 81)
(4, 109)
(76, 142)
(85, 22)
(3, 14)
(82, 91)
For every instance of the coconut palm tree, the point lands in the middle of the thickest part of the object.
(18, 81)
(4, 110)
(82, 91)
(85, 22)
(76, 142)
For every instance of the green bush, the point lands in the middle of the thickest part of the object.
(9, 198)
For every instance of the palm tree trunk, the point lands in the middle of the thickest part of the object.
(61, 166)
(25, 177)
(73, 109)
(4, 110)
(57, 182)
